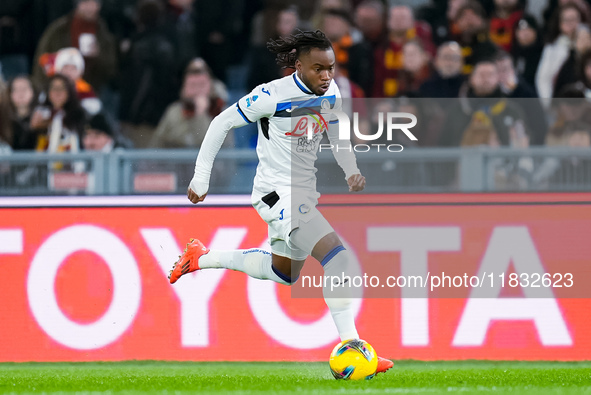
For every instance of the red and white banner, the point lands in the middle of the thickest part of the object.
(90, 283)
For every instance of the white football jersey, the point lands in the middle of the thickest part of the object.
(283, 110)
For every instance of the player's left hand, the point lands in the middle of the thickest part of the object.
(193, 197)
(356, 183)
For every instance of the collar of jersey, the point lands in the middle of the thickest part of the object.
(300, 84)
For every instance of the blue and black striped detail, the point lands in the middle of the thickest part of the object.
(303, 107)
(331, 254)
(301, 86)
(242, 113)
(265, 127)
(282, 276)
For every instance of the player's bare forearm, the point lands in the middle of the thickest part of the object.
(356, 183)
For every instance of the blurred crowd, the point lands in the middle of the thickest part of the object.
(106, 74)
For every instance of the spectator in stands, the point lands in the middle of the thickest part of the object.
(85, 30)
(185, 122)
(441, 16)
(348, 88)
(353, 59)
(22, 102)
(578, 135)
(512, 84)
(148, 74)
(416, 68)
(219, 88)
(568, 73)
(571, 105)
(370, 18)
(62, 120)
(263, 67)
(266, 23)
(514, 87)
(574, 171)
(402, 27)
(213, 30)
(324, 6)
(554, 5)
(482, 116)
(119, 16)
(473, 37)
(561, 36)
(446, 81)
(181, 21)
(6, 132)
(527, 48)
(447, 77)
(69, 62)
(217, 31)
(584, 74)
(506, 15)
(388, 60)
(17, 38)
(99, 135)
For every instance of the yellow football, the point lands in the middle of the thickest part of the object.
(353, 359)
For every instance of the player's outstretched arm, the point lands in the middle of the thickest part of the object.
(345, 157)
(261, 102)
(214, 138)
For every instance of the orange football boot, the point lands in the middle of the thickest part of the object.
(189, 261)
(383, 365)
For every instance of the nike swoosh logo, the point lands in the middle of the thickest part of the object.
(291, 109)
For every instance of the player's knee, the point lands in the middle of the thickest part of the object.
(292, 281)
(288, 270)
(329, 256)
(326, 246)
(287, 276)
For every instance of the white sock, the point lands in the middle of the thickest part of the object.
(339, 300)
(254, 262)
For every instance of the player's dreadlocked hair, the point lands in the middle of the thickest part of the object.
(289, 48)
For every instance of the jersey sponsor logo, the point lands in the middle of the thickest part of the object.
(265, 91)
(251, 100)
(316, 122)
(308, 145)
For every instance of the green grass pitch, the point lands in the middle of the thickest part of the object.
(407, 377)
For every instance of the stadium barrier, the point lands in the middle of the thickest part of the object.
(85, 279)
(410, 171)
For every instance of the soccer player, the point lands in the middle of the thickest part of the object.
(285, 175)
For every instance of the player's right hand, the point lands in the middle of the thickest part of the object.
(197, 190)
(356, 183)
(193, 197)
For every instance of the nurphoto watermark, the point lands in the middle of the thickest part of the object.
(392, 121)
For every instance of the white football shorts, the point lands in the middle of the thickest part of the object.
(276, 208)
